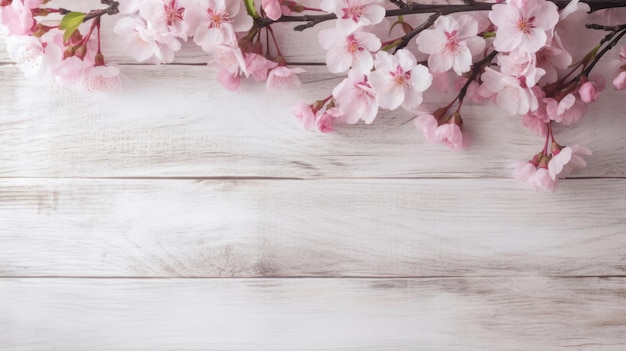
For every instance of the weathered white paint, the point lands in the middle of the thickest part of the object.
(280, 228)
(178, 122)
(313, 314)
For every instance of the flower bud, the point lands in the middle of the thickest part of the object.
(80, 51)
(588, 92)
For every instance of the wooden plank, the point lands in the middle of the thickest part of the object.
(280, 228)
(313, 314)
(176, 121)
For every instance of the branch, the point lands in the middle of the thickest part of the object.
(416, 8)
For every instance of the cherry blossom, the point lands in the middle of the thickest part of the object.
(146, 43)
(512, 94)
(356, 98)
(353, 14)
(18, 17)
(218, 21)
(451, 44)
(567, 160)
(102, 78)
(272, 9)
(398, 80)
(352, 50)
(165, 16)
(305, 114)
(567, 110)
(522, 24)
(32, 56)
(283, 77)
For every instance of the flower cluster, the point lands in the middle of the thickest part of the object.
(524, 56)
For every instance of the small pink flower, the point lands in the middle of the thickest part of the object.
(102, 78)
(356, 98)
(304, 113)
(353, 14)
(398, 80)
(257, 66)
(512, 93)
(567, 160)
(451, 44)
(523, 24)
(450, 134)
(427, 124)
(620, 81)
(324, 121)
(229, 80)
(524, 171)
(272, 9)
(542, 182)
(588, 92)
(566, 111)
(283, 77)
(536, 125)
(352, 50)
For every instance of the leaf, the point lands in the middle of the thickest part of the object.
(250, 8)
(70, 23)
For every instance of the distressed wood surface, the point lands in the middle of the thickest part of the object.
(179, 216)
(314, 314)
(280, 228)
(176, 121)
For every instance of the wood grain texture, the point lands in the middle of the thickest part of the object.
(176, 121)
(319, 314)
(280, 228)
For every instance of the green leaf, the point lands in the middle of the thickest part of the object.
(70, 23)
(251, 9)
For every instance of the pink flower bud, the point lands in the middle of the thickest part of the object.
(305, 115)
(620, 81)
(588, 92)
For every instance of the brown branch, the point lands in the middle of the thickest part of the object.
(416, 8)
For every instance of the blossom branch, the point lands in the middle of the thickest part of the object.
(416, 8)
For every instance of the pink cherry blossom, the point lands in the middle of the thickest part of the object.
(102, 78)
(325, 120)
(398, 80)
(165, 16)
(512, 94)
(305, 114)
(524, 172)
(427, 124)
(18, 17)
(283, 77)
(352, 50)
(258, 66)
(229, 80)
(536, 125)
(451, 44)
(567, 160)
(619, 82)
(450, 134)
(590, 90)
(567, 111)
(551, 59)
(521, 65)
(33, 56)
(356, 98)
(272, 8)
(353, 14)
(146, 43)
(219, 20)
(522, 24)
(542, 182)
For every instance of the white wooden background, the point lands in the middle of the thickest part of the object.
(179, 216)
